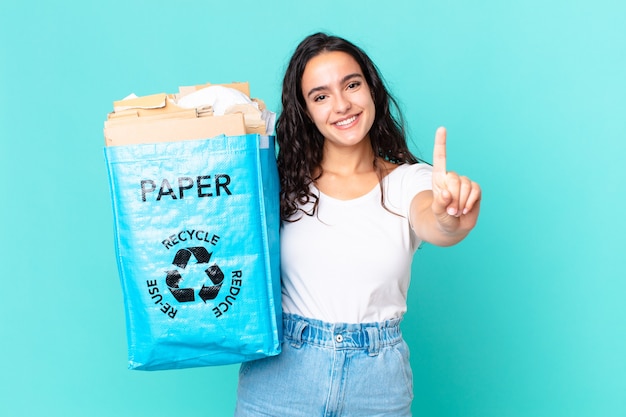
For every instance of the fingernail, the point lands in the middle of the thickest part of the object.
(451, 211)
(465, 210)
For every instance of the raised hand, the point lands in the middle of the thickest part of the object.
(456, 199)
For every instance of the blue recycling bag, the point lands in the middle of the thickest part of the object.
(196, 235)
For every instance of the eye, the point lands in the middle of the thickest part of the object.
(353, 85)
(319, 98)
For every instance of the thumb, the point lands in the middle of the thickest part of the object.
(441, 200)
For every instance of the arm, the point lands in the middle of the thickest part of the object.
(445, 215)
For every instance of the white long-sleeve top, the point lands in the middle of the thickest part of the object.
(351, 261)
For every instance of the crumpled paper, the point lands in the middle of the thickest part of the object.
(225, 100)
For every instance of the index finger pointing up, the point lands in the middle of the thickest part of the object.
(439, 152)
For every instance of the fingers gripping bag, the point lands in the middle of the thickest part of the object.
(196, 237)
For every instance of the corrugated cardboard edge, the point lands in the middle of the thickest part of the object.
(173, 130)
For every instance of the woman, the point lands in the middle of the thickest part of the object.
(355, 205)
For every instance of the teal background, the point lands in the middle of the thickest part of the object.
(526, 317)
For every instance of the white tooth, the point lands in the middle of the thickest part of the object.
(347, 121)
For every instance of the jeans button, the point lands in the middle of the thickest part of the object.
(338, 338)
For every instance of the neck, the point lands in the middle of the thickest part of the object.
(347, 161)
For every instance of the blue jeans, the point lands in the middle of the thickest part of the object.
(330, 370)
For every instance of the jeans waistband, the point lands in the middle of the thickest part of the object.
(341, 336)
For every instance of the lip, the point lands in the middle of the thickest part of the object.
(347, 122)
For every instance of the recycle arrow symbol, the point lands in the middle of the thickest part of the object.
(181, 259)
(217, 278)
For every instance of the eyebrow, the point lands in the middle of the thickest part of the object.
(343, 80)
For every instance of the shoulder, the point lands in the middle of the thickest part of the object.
(410, 172)
(406, 181)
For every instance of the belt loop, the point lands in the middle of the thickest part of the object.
(374, 341)
(296, 336)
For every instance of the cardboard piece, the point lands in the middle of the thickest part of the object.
(156, 118)
(159, 129)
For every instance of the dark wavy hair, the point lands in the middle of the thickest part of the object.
(300, 142)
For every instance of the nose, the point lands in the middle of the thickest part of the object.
(342, 104)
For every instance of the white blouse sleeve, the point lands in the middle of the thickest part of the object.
(404, 183)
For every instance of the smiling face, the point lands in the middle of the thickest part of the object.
(338, 99)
